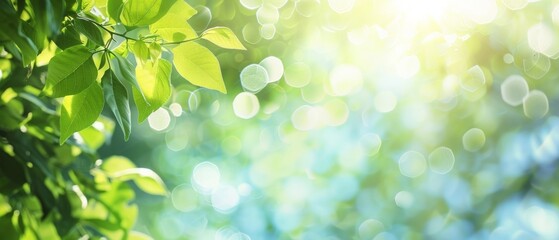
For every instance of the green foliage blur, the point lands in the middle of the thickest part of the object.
(389, 120)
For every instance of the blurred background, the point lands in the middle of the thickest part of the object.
(362, 119)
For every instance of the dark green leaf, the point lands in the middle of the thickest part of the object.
(90, 30)
(69, 37)
(124, 71)
(114, 7)
(48, 16)
(26, 49)
(116, 97)
(70, 72)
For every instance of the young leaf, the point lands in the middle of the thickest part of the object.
(117, 163)
(91, 31)
(223, 37)
(116, 97)
(80, 111)
(173, 26)
(154, 79)
(144, 12)
(198, 65)
(155, 51)
(141, 51)
(70, 72)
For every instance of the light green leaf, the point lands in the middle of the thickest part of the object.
(70, 72)
(198, 65)
(100, 132)
(86, 5)
(144, 12)
(115, 164)
(155, 50)
(146, 179)
(173, 26)
(4, 206)
(154, 79)
(141, 51)
(139, 236)
(91, 31)
(116, 97)
(92, 137)
(80, 111)
(223, 37)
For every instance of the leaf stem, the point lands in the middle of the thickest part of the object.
(110, 31)
(179, 42)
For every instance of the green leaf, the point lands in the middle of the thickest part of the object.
(198, 65)
(12, 117)
(146, 179)
(154, 79)
(144, 12)
(100, 132)
(117, 163)
(80, 111)
(70, 72)
(114, 8)
(173, 26)
(124, 71)
(155, 50)
(91, 31)
(141, 51)
(116, 97)
(68, 38)
(223, 37)
(139, 236)
(86, 5)
(48, 16)
(26, 49)
(92, 137)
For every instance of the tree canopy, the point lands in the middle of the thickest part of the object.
(279, 119)
(62, 63)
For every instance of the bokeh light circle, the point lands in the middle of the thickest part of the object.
(254, 78)
(246, 105)
(441, 160)
(412, 164)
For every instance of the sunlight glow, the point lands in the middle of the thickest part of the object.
(422, 11)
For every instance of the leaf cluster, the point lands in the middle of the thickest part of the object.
(61, 63)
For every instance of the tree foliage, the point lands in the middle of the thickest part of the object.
(62, 63)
